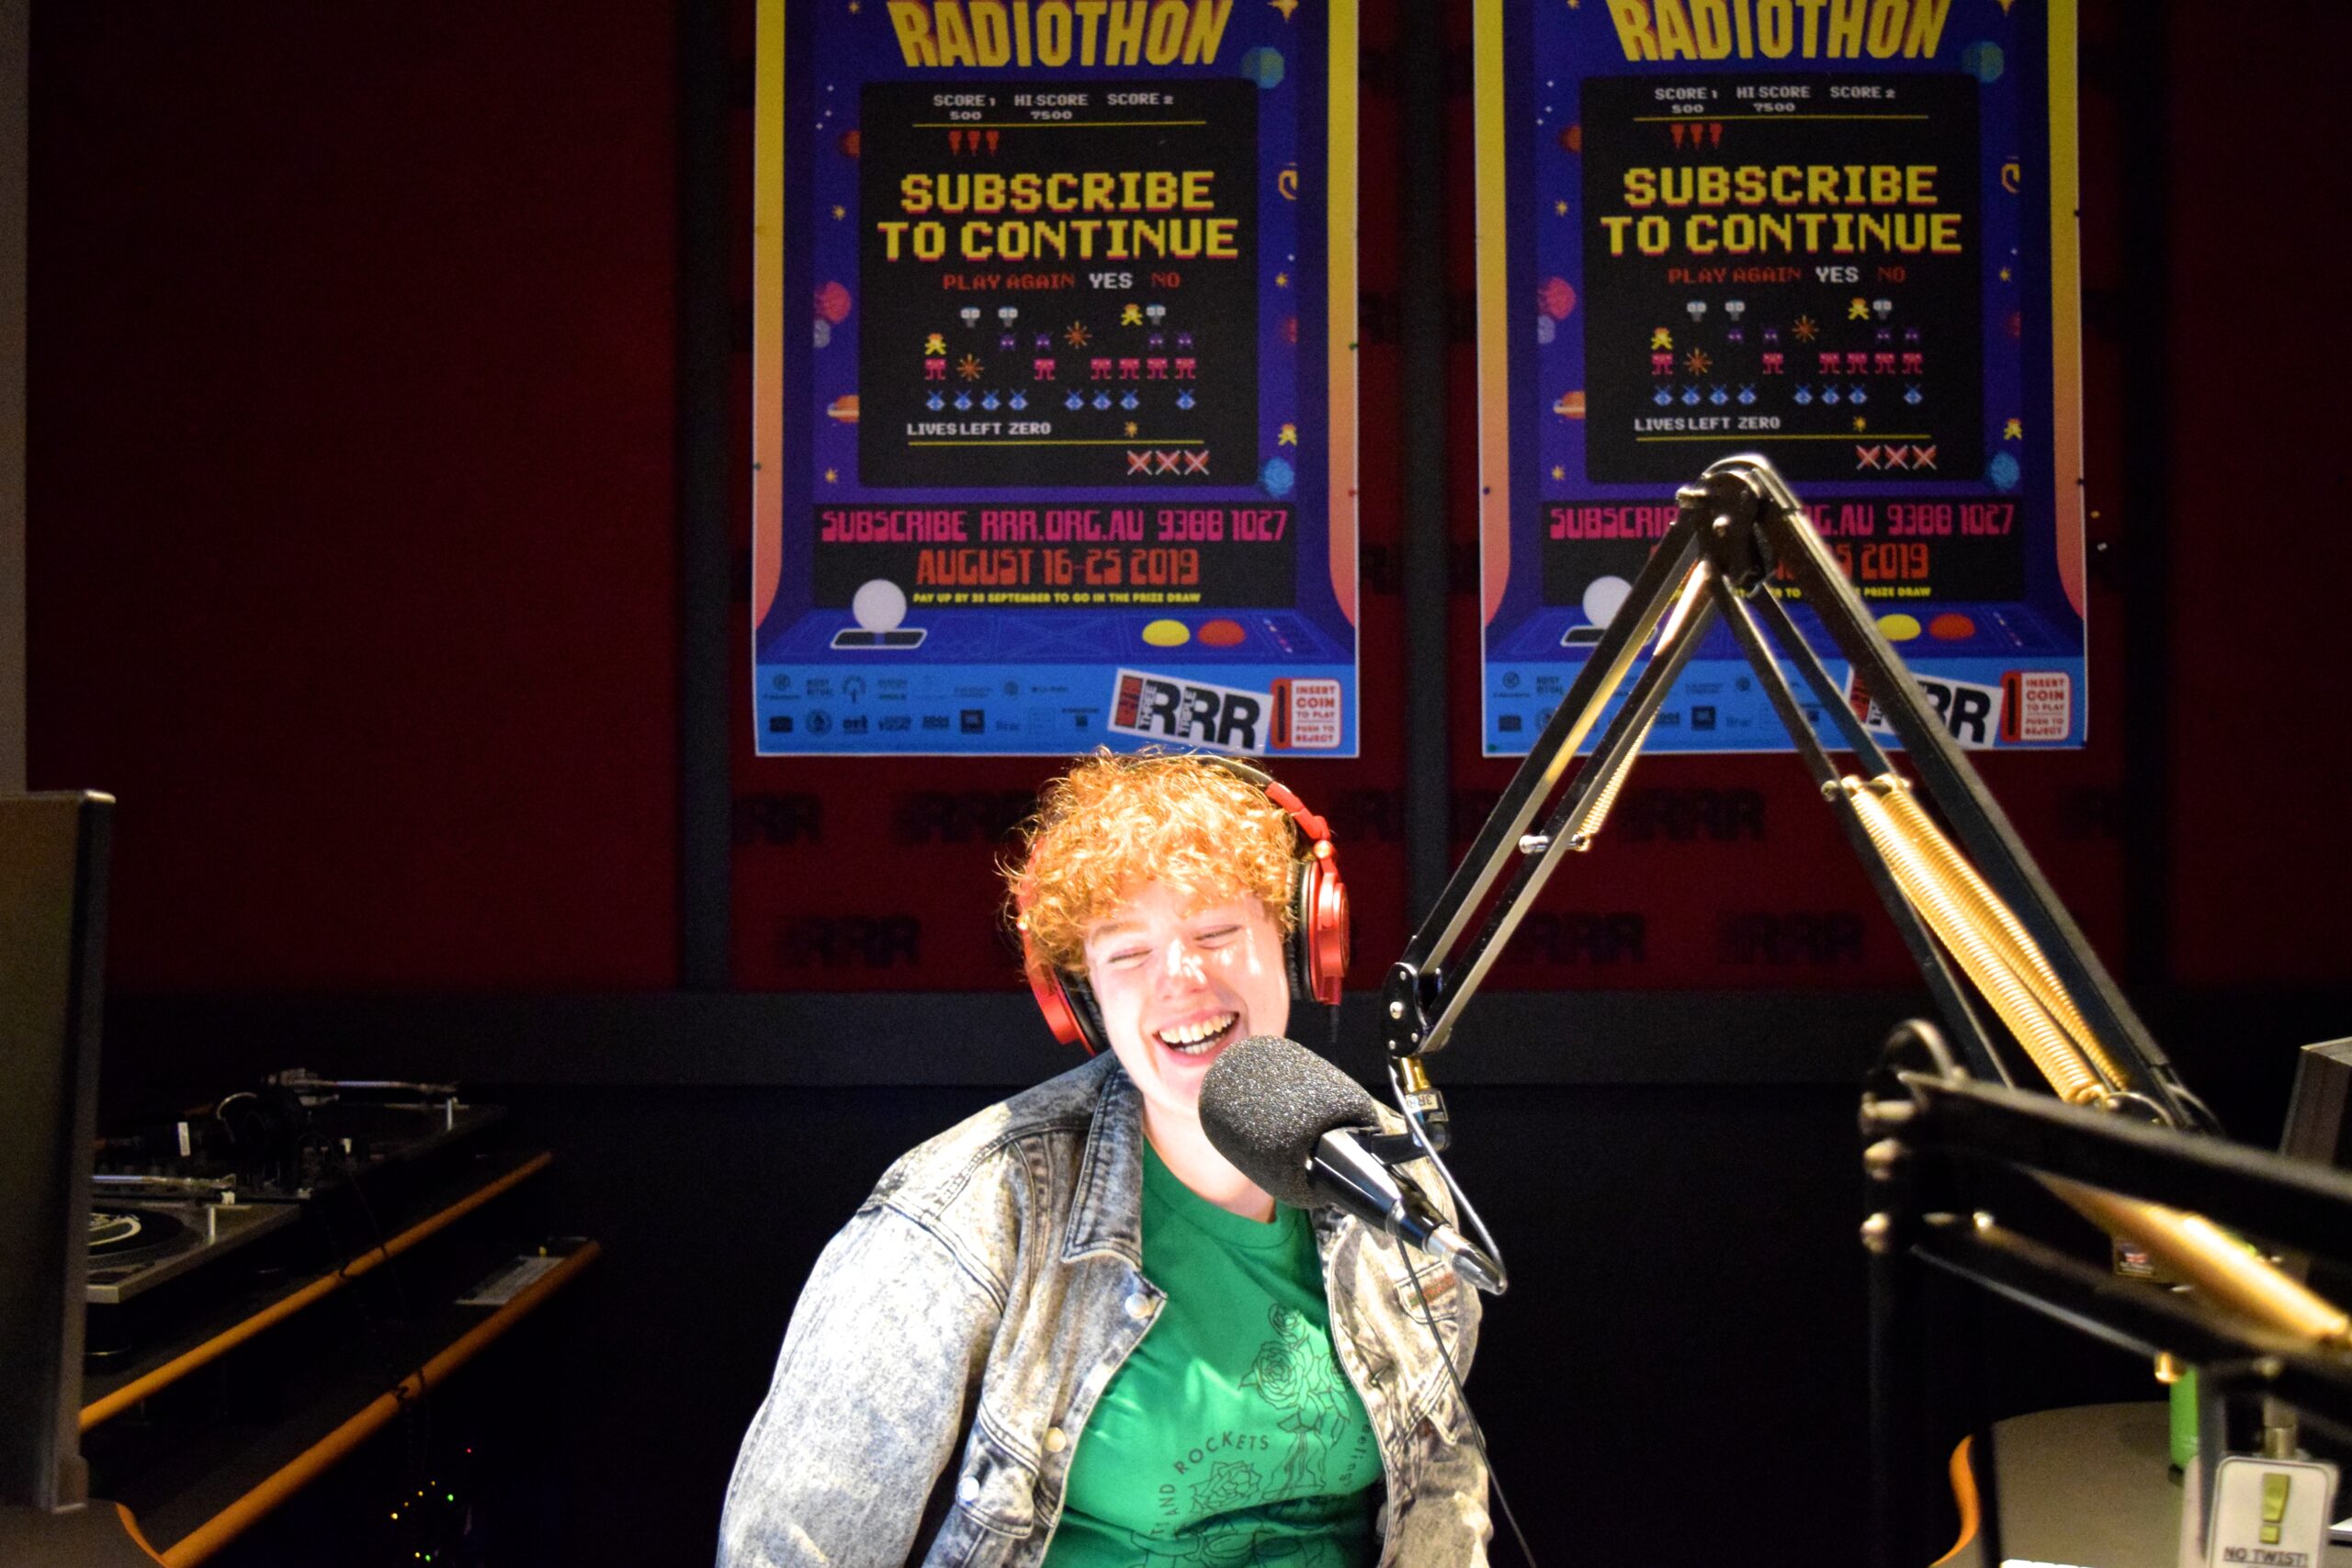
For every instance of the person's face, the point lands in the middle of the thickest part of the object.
(1177, 984)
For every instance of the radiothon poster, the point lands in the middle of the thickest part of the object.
(1054, 377)
(1836, 232)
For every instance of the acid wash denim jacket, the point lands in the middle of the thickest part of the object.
(972, 1314)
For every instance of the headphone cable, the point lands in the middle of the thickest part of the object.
(1470, 1212)
(1454, 1189)
(1477, 1432)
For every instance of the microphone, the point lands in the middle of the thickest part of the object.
(1307, 1135)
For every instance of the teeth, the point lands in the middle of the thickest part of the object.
(1194, 1037)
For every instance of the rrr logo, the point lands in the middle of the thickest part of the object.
(1679, 816)
(1365, 816)
(1797, 936)
(958, 817)
(1971, 714)
(779, 818)
(1545, 937)
(848, 942)
(1301, 714)
(1188, 711)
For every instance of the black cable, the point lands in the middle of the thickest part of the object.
(395, 1353)
(418, 1410)
(1421, 1134)
(1477, 1433)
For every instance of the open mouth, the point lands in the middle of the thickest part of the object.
(1200, 1037)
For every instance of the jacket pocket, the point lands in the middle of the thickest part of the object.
(1427, 1385)
(997, 1489)
(1432, 1279)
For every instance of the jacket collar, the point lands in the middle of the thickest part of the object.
(1106, 1215)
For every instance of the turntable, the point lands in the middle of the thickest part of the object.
(192, 1212)
(147, 1231)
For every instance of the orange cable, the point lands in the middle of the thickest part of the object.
(1963, 1492)
(137, 1537)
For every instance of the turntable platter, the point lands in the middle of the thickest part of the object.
(115, 1233)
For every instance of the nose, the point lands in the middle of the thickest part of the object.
(1182, 963)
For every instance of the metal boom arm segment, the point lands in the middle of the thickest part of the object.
(1738, 534)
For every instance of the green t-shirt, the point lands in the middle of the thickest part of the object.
(1231, 1436)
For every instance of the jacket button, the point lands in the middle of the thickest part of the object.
(1055, 1439)
(968, 1489)
(1139, 1305)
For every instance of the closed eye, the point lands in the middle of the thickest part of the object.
(1126, 957)
(1218, 936)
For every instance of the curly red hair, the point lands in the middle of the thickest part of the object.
(1114, 822)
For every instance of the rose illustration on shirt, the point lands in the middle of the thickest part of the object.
(1234, 1485)
(1291, 1375)
(1275, 1374)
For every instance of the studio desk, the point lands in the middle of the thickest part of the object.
(211, 1423)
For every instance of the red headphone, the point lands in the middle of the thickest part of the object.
(1314, 954)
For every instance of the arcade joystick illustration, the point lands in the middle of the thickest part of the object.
(1603, 597)
(878, 606)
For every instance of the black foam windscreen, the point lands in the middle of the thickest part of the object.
(1263, 1104)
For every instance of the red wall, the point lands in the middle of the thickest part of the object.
(352, 550)
(2260, 539)
(353, 544)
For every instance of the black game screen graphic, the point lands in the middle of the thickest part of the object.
(1785, 264)
(1060, 284)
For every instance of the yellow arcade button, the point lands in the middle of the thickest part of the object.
(1897, 627)
(1176, 634)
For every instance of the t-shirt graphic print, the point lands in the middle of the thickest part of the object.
(1231, 1436)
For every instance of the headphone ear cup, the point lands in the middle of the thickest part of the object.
(1298, 948)
(1067, 1004)
(1323, 932)
(1069, 1009)
(1088, 1014)
(1314, 956)
(1055, 1003)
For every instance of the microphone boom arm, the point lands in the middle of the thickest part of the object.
(1979, 918)
(1740, 540)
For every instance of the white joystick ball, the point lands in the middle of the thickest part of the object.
(880, 605)
(1603, 597)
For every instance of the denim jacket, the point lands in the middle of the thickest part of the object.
(973, 1311)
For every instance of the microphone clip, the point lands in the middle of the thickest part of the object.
(1359, 1169)
(1390, 1148)
(1423, 1102)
